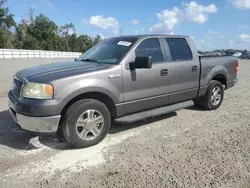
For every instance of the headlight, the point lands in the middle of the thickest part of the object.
(38, 91)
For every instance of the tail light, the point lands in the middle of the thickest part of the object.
(237, 67)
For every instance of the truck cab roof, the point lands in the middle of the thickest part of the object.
(152, 35)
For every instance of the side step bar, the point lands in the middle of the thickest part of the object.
(153, 112)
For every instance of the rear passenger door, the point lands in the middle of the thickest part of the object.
(184, 68)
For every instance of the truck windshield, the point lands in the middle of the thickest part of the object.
(109, 51)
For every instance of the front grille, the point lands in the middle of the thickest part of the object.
(17, 87)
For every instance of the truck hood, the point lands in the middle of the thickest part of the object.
(49, 72)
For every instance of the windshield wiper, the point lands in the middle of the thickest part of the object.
(93, 60)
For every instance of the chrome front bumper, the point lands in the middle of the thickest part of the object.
(36, 124)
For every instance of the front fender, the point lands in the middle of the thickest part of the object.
(69, 90)
(91, 89)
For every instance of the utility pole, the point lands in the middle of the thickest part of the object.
(121, 31)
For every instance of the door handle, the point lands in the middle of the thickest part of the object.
(164, 72)
(194, 68)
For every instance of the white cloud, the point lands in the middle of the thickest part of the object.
(192, 12)
(33, 6)
(170, 33)
(139, 31)
(159, 27)
(135, 22)
(245, 37)
(211, 31)
(198, 13)
(102, 35)
(48, 4)
(168, 19)
(241, 42)
(242, 26)
(71, 31)
(241, 4)
(103, 23)
(136, 32)
(207, 37)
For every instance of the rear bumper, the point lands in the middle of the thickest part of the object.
(48, 125)
(232, 83)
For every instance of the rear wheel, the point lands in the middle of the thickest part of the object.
(214, 96)
(86, 123)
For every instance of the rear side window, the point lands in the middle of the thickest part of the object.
(179, 49)
(150, 47)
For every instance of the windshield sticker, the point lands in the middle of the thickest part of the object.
(124, 43)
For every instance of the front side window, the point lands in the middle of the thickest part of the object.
(150, 47)
(109, 51)
(179, 49)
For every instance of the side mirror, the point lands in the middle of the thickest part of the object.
(141, 63)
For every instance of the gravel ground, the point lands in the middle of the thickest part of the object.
(189, 148)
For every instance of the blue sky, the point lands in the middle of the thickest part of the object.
(211, 23)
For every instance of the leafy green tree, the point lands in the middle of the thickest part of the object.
(30, 43)
(40, 33)
(73, 43)
(97, 39)
(67, 31)
(43, 30)
(7, 22)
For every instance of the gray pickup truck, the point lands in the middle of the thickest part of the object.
(124, 79)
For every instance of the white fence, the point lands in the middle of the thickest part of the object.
(30, 54)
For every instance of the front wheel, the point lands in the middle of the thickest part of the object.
(86, 123)
(214, 96)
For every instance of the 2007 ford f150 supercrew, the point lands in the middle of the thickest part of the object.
(124, 79)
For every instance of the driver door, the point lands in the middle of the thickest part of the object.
(146, 88)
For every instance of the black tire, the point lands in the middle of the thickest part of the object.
(206, 101)
(70, 120)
